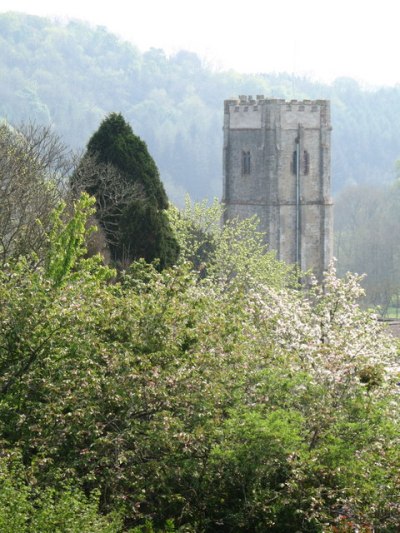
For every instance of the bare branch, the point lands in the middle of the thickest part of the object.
(113, 192)
(32, 166)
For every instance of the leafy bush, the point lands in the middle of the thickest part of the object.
(25, 508)
(222, 401)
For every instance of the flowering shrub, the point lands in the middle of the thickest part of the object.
(205, 398)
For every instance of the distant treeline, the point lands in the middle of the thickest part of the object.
(72, 75)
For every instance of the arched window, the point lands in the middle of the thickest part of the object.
(246, 163)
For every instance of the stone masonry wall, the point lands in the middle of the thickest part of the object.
(292, 200)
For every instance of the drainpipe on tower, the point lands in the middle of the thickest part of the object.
(298, 213)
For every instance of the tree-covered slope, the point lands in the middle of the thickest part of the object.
(72, 75)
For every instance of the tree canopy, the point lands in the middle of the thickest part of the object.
(199, 398)
(114, 142)
(136, 228)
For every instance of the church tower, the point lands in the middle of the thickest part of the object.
(277, 166)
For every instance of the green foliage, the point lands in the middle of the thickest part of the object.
(235, 250)
(196, 403)
(114, 142)
(254, 462)
(148, 528)
(206, 396)
(25, 509)
(146, 234)
(68, 238)
(138, 228)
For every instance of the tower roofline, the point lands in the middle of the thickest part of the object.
(246, 100)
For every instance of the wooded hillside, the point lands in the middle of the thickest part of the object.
(72, 75)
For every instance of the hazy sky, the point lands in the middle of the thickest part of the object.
(322, 39)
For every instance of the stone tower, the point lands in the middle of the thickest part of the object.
(277, 166)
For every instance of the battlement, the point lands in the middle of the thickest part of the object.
(246, 103)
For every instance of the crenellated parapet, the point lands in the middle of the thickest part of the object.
(254, 113)
(260, 99)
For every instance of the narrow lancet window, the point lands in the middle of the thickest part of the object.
(246, 163)
(293, 165)
(306, 163)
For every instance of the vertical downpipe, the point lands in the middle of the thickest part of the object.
(298, 228)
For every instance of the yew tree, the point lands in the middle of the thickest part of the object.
(135, 224)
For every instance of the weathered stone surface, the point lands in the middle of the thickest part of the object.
(287, 183)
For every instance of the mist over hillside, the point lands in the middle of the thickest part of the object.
(72, 75)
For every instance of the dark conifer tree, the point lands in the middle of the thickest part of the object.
(139, 228)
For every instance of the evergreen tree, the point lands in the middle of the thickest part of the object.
(137, 228)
